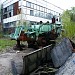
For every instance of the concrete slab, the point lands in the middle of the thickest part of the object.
(68, 68)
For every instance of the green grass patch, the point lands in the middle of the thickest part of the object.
(4, 43)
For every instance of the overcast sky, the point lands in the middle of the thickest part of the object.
(64, 4)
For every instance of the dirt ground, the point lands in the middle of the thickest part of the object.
(11, 62)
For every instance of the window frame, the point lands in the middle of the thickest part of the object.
(32, 5)
(32, 14)
(28, 4)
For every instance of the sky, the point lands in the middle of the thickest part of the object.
(64, 4)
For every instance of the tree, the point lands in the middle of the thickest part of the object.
(72, 14)
(68, 20)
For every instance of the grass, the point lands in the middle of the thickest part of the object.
(4, 43)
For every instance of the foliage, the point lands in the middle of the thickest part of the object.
(72, 14)
(1, 34)
(68, 20)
